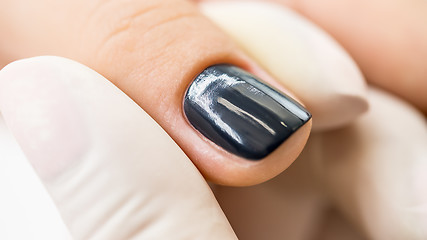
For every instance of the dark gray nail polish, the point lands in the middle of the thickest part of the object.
(241, 114)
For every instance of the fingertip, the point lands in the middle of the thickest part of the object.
(251, 131)
(40, 111)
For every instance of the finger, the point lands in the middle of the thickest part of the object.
(111, 170)
(153, 50)
(386, 38)
(375, 170)
(299, 54)
(27, 212)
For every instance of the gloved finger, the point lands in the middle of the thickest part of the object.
(299, 54)
(111, 170)
(375, 169)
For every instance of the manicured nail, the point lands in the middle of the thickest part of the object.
(241, 114)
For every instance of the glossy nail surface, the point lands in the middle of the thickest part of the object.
(239, 113)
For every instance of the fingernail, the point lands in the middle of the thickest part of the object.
(241, 114)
